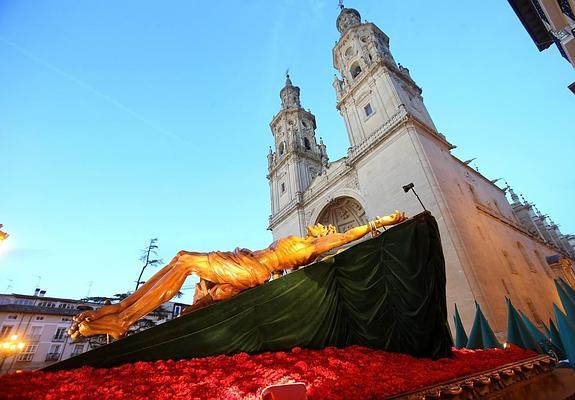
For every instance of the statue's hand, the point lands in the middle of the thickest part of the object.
(391, 219)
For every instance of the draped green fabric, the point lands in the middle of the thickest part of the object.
(460, 335)
(386, 293)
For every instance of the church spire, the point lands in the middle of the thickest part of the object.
(298, 158)
(514, 196)
(289, 95)
(348, 17)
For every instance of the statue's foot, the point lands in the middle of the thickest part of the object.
(110, 324)
(92, 315)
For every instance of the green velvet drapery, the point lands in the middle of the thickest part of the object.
(387, 293)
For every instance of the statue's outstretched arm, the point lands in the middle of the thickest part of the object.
(334, 240)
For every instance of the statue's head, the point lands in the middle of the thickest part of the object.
(320, 230)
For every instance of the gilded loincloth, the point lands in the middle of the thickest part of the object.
(238, 268)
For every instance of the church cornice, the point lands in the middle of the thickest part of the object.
(519, 229)
(319, 186)
(392, 125)
(477, 174)
(275, 219)
(289, 111)
(294, 152)
(325, 181)
(386, 66)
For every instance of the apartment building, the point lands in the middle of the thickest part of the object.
(42, 323)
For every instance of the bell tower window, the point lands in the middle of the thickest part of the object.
(282, 148)
(355, 70)
(306, 144)
(368, 110)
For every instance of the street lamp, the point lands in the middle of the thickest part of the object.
(9, 348)
(3, 235)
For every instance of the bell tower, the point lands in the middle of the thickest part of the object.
(371, 88)
(297, 157)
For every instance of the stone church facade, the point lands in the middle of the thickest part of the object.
(493, 248)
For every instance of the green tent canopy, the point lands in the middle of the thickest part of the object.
(567, 297)
(460, 335)
(556, 339)
(517, 331)
(546, 329)
(567, 333)
(387, 293)
(481, 335)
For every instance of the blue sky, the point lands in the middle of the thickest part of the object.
(123, 121)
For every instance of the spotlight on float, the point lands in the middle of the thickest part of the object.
(410, 186)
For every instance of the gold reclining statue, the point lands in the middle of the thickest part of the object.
(222, 275)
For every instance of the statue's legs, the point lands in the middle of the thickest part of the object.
(117, 318)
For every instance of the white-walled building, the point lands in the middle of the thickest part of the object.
(490, 246)
(42, 323)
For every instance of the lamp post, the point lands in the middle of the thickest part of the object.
(9, 348)
(3, 235)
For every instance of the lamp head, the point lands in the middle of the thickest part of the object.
(408, 187)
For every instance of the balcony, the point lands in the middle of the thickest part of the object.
(53, 356)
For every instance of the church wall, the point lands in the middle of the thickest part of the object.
(487, 255)
(289, 226)
(394, 163)
(490, 245)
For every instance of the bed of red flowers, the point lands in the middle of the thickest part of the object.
(351, 373)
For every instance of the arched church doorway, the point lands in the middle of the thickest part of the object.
(343, 213)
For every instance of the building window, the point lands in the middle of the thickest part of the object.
(505, 286)
(283, 187)
(509, 262)
(282, 148)
(543, 264)
(28, 353)
(480, 232)
(368, 110)
(306, 144)
(66, 319)
(78, 349)
(177, 310)
(39, 318)
(525, 257)
(54, 353)
(472, 190)
(355, 70)
(59, 335)
(12, 317)
(35, 333)
(6, 330)
(534, 313)
(496, 204)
